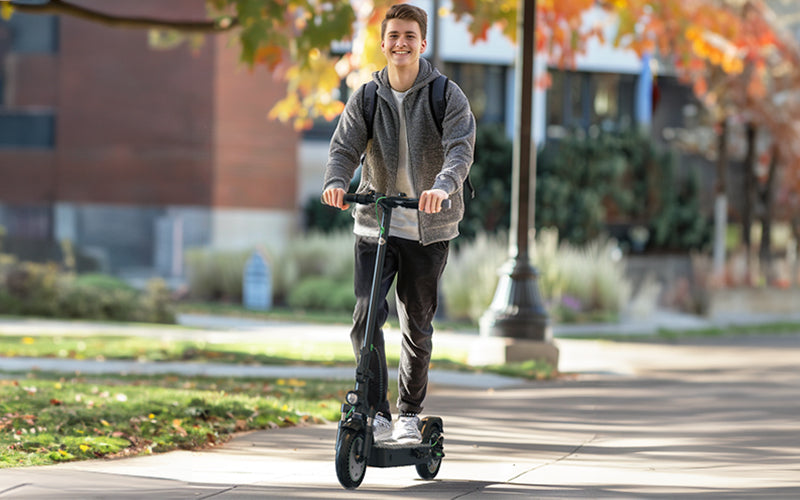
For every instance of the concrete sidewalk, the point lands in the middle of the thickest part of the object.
(704, 419)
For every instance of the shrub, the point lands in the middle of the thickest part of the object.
(323, 293)
(316, 254)
(325, 219)
(576, 177)
(81, 301)
(101, 281)
(34, 288)
(490, 210)
(216, 274)
(28, 288)
(581, 179)
(155, 304)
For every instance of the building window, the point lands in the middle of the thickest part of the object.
(484, 86)
(31, 222)
(27, 129)
(26, 34)
(581, 100)
(33, 33)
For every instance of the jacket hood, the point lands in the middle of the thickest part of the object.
(427, 73)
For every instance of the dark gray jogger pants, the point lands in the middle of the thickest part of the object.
(418, 269)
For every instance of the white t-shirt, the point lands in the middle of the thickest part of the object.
(405, 221)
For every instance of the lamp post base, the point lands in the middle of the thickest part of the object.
(517, 310)
(515, 327)
(499, 351)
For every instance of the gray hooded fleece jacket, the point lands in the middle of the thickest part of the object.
(435, 161)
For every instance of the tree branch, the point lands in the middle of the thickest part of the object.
(59, 7)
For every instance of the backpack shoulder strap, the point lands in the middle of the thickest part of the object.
(368, 99)
(438, 101)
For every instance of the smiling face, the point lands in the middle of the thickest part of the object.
(402, 43)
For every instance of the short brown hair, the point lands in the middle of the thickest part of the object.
(408, 13)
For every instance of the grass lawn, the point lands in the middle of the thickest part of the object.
(48, 418)
(99, 347)
(285, 352)
(285, 314)
(730, 331)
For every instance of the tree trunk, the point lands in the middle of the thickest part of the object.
(436, 32)
(721, 202)
(795, 260)
(767, 202)
(750, 192)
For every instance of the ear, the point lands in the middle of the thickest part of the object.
(423, 46)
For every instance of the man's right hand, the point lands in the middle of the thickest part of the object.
(335, 198)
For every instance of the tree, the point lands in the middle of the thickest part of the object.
(293, 38)
(730, 50)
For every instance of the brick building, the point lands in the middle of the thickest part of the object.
(136, 154)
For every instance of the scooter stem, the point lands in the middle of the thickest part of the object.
(374, 297)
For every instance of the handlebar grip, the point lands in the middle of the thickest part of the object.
(359, 198)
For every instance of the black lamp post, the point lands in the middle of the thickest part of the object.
(517, 310)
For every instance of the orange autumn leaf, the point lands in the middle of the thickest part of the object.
(270, 56)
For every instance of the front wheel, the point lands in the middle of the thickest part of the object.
(351, 464)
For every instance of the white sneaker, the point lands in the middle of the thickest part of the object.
(406, 430)
(381, 429)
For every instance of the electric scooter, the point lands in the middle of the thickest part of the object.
(355, 447)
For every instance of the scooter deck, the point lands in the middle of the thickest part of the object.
(395, 445)
(394, 454)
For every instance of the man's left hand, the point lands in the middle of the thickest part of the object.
(430, 201)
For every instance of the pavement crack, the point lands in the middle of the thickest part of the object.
(559, 459)
(15, 487)
(218, 493)
(473, 490)
(483, 485)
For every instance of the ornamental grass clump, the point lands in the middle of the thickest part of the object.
(215, 274)
(470, 277)
(594, 284)
(576, 283)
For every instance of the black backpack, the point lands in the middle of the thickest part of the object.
(437, 101)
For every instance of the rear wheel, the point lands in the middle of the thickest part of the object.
(432, 436)
(351, 465)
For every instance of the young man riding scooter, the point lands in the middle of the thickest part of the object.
(405, 152)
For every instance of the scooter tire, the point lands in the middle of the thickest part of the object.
(351, 466)
(431, 436)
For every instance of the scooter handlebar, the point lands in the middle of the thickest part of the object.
(394, 201)
(364, 199)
